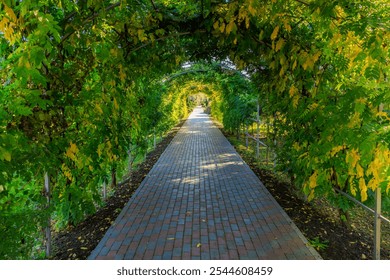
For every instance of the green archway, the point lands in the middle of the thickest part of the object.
(80, 84)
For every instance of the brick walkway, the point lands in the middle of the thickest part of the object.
(201, 201)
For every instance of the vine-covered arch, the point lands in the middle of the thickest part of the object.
(79, 85)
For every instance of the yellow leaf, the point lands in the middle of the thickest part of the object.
(373, 183)
(99, 150)
(198, 245)
(294, 64)
(72, 151)
(281, 72)
(388, 188)
(98, 108)
(261, 35)
(313, 180)
(252, 10)
(216, 25)
(311, 195)
(313, 106)
(383, 114)
(230, 26)
(122, 74)
(316, 56)
(352, 157)
(178, 59)
(355, 51)
(275, 33)
(279, 44)
(294, 94)
(10, 13)
(286, 25)
(111, 83)
(309, 63)
(352, 186)
(355, 120)
(7, 156)
(116, 106)
(152, 37)
(335, 150)
(141, 35)
(66, 171)
(363, 189)
(114, 52)
(359, 170)
(222, 27)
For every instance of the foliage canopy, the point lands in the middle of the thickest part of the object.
(81, 82)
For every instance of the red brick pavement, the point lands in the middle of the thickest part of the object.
(201, 201)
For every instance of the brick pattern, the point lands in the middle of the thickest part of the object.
(201, 201)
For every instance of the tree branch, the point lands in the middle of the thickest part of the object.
(154, 5)
(92, 17)
(160, 39)
(302, 2)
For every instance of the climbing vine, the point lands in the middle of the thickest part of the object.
(82, 85)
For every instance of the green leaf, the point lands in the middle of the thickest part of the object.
(372, 72)
(6, 155)
(37, 55)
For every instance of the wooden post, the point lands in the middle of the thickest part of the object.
(147, 147)
(246, 136)
(258, 130)
(267, 160)
(130, 166)
(377, 225)
(377, 222)
(154, 138)
(48, 229)
(113, 178)
(275, 153)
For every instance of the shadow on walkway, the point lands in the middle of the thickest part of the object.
(201, 201)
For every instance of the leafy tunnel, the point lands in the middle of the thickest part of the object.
(85, 83)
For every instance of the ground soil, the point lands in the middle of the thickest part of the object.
(318, 221)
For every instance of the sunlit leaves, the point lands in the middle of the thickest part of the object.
(72, 151)
(294, 94)
(9, 24)
(279, 44)
(79, 86)
(275, 33)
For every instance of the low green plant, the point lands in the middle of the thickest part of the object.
(317, 244)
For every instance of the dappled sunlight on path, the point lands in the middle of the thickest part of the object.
(201, 201)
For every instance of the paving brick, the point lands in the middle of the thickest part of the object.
(200, 191)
